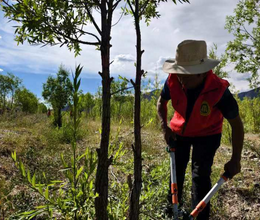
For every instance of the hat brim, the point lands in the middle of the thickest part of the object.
(170, 66)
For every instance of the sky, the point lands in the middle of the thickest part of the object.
(199, 20)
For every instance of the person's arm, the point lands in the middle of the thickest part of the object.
(162, 114)
(233, 167)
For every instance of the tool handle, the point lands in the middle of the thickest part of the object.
(226, 175)
(203, 203)
(171, 145)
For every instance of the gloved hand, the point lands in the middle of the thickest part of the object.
(167, 132)
(233, 167)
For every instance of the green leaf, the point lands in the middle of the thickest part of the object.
(65, 169)
(63, 161)
(41, 207)
(81, 156)
(47, 193)
(28, 176)
(91, 185)
(40, 189)
(56, 181)
(22, 169)
(79, 172)
(33, 180)
(13, 155)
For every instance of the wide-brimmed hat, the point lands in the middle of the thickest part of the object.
(191, 58)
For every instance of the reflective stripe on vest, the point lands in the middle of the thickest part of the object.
(205, 118)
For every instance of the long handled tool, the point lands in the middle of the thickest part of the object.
(174, 191)
(203, 203)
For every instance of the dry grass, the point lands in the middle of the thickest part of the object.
(39, 145)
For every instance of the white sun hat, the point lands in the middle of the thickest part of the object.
(191, 58)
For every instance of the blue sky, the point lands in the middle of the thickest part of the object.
(202, 19)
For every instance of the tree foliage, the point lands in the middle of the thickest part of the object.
(219, 69)
(63, 22)
(26, 100)
(58, 91)
(73, 197)
(42, 108)
(4, 88)
(8, 85)
(87, 103)
(52, 22)
(244, 50)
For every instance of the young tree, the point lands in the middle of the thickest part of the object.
(62, 22)
(87, 103)
(42, 108)
(27, 100)
(4, 89)
(218, 70)
(120, 93)
(14, 84)
(58, 91)
(8, 85)
(244, 50)
(139, 9)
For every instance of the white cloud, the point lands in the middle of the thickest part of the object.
(1, 70)
(201, 19)
(124, 58)
(0, 36)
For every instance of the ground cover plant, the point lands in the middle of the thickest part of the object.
(39, 145)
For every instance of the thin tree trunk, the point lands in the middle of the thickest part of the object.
(4, 108)
(12, 100)
(101, 184)
(59, 118)
(136, 190)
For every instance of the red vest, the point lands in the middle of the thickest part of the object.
(205, 118)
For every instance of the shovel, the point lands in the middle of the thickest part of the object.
(203, 203)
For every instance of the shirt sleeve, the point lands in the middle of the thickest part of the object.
(165, 94)
(228, 105)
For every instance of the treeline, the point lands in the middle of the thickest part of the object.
(14, 97)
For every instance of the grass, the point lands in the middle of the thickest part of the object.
(39, 145)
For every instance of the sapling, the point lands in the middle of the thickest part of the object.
(72, 197)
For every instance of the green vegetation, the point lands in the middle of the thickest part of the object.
(14, 97)
(58, 92)
(64, 187)
(244, 50)
(38, 146)
(27, 100)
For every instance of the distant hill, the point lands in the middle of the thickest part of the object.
(250, 94)
(149, 95)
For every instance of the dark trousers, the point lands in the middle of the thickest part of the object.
(203, 151)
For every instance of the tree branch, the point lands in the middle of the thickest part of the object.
(142, 9)
(85, 32)
(129, 3)
(92, 19)
(252, 38)
(54, 29)
(115, 5)
(121, 90)
(120, 16)
(133, 83)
